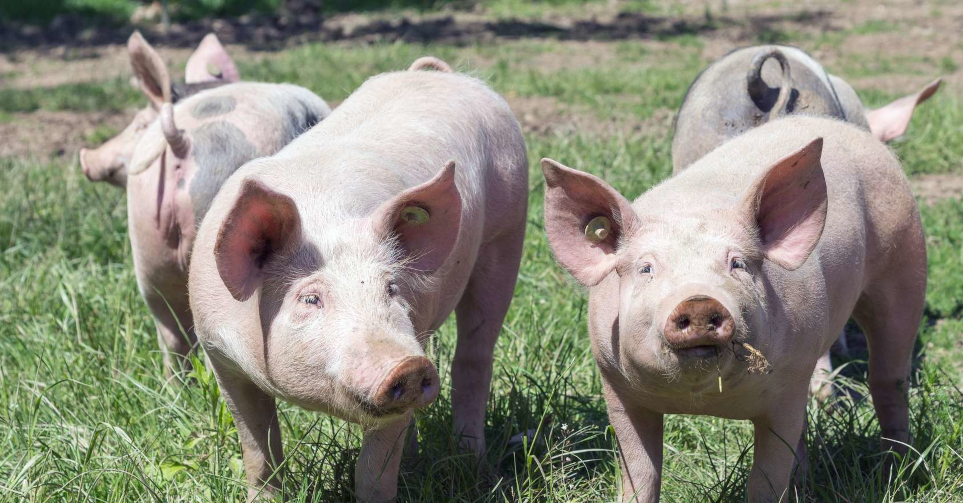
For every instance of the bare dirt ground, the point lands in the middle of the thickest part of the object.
(934, 188)
(44, 134)
(925, 34)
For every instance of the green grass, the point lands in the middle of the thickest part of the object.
(86, 415)
(113, 95)
(875, 26)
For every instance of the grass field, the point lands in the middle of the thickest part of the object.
(86, 415)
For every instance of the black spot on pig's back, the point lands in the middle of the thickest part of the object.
(219, 149)
(213, 106)
(302, 117)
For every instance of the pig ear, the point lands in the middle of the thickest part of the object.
(892, 120)
(262, 225)
(210, 62)
(150, 70)
(788, 205)
(425, 220)
(585, 219)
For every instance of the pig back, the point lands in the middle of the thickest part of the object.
(719, 104)
(241, 122)
(399, 129)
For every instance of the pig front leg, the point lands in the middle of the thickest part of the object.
(777, 439)
(256, 418)
(376, 473)
(480, 314)
(638, 433)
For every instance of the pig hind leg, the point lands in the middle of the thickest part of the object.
(175, 334)
(480, 314)
(890, 313)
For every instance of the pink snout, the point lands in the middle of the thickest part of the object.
(698, 325)
(412, 384)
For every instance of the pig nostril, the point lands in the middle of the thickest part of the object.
(397, 390)
(682, 323)
(715, 320)
(425, 384)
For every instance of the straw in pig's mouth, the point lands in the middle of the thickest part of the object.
(758, 364)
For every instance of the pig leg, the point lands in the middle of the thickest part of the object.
(639, 435)
(777, 436)
(480, 314)
(376, 473)
(820, 385)
(890, 316)
(256, 417)
(175, 333)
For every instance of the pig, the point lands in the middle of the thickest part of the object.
(177, 168)
(720, 105)
(715, 292)
(209, 66)
(717, 107)
(319, 273)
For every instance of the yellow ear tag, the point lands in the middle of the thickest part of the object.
(414, 215)
(598, 229)
(213, 70)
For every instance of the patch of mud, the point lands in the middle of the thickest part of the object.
(935, 188)
(44, 134)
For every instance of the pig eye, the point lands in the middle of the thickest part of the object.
(737, 263)
(312, 299)
(646, 269)
(393, 289)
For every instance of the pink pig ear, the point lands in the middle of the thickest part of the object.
(262, 225)
(788, 204)
(575, 201)
(892, 120)
(210, 62)
(425, 219)
(150, 70)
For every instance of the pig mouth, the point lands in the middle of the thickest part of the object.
(702, 352)
(740, 351)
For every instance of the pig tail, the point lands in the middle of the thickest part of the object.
(757, 87)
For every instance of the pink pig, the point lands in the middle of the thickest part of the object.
(109, 161)
(716, 292)
(320, 272)
(179, 166)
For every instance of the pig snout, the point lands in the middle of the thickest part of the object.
(697, 326)
(413, 383)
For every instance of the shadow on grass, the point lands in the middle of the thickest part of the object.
(285, 29)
